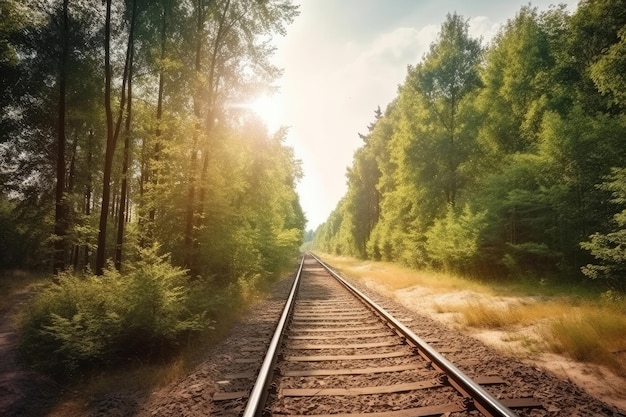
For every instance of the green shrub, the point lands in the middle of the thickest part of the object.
(453, 240)
(80, 322)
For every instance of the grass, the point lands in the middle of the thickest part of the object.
(396, 277)
(591, 334)
(481, 315)
(575, 321)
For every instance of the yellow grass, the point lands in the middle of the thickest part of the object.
(487, 316)
(583, 327)
(481, 315)
(591, 334)
(396, 277)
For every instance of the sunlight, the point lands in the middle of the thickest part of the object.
(270, 109)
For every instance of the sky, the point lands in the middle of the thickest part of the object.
(341, 59)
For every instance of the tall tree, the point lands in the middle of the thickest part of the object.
(516, 79)
(231, 62)
(448, 74)
(121, 220)
(60, 221)
(112, 129)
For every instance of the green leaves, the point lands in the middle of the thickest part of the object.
(85, 321)
(609, 249)
(454, 240)
(520, 136)
(608, 72)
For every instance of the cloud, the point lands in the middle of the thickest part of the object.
(482, 26)
(333, 94)
(341, 93)
(379, 66)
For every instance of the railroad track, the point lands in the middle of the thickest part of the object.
(336, 352)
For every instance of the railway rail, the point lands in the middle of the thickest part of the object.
(336, 352)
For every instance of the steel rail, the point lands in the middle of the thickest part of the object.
(259, 393)
(483, 401)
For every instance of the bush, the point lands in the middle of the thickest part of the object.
(79, 322)
(454, 240)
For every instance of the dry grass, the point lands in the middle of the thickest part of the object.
(590, 334)
(527, 313)
(574, 323)
(481, 315)
(396, 277)
(442, 308)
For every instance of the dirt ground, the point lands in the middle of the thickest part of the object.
(596, 380)
(19, 386)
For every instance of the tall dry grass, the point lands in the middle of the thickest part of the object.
(590, 333)
(573, 321)
(396, 277)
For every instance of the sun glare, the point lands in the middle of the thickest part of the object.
(270, 109)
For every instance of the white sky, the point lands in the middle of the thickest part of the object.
(342, 59)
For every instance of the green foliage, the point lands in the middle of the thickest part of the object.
(594, 46)
(254, 223)
(516, 81)
(524, 133)
(78, 322)
(454, 240)
(609, 249)
(608, 73)
(190, 149)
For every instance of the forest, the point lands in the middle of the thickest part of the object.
(124, 125)
(504, 159)
(132, 167)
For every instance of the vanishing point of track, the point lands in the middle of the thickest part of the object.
(336, 352)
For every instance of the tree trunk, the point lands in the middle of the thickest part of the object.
(88, 189)
(112, 135)
(121, 220)
(70, 189)
(223, 29)
(159, 113)
(60, 223)
(110, 145)
(190, 238)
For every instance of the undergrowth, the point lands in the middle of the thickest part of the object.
(136, 330)
(79, 322)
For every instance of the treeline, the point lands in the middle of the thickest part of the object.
(505, 160)
(122, 127)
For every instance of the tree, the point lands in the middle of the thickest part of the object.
(430, 146)
(448, 74)
(453, 241)
(127, 137)
(363, 197)
(518, 82)
(60, 221)
(607, 72)
(594, 45)
(48, 72)
(53, 125)
(231, 64)
(609, 249)
(112, 129)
